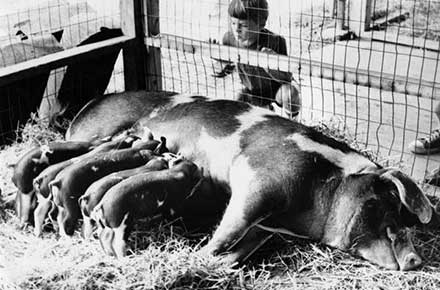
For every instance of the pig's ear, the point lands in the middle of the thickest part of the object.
(161, 147)
(410, 194)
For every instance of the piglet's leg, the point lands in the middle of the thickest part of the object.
(40, 213)
(60, 221)
(118, 242)
(87, 227)
(106, 239)
(25, 207)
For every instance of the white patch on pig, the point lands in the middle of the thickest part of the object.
(222, 150)
(350, 162)
(341, 222)
(243, 181)
(40, 213)
(44, 151)
(76, 159)
(62, 230)
(94, 168)
(55, 193)
(87, 227)
(118, 243)
(97, 215)
(143, 132)
(160, 202)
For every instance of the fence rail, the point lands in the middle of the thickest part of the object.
(317, 67)
(55, 60)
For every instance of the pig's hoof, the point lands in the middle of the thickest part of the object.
(23, 226)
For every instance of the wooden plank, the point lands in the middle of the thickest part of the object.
(153, 61)
(311, 65)
(46, 63)
(415, 42)
(127, 10)
(134, 52)
(340, 14)
(391, 17)
(356, 16)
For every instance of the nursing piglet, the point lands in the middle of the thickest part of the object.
(73, 181)
(97, 190)
(142, 195)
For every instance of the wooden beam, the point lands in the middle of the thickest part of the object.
(48, 62)
(132, 24)
(415, 42)
(153, 62)
(300, 66)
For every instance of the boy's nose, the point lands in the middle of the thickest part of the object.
(236, 27)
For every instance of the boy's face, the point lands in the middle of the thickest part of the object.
(245, 31)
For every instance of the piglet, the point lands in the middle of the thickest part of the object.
(97, 190)
(73, 181)
(42, 181)
(142, 195)
(35, 161)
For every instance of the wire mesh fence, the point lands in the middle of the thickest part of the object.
(379, 81)
(29, 31)
(369, 66)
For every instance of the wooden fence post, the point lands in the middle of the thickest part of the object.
(153, 61)
(132, 24)
(368, 11)
(340, 13)
(359, 16)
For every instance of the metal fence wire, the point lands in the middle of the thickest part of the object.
(366, 67)
(37, 29)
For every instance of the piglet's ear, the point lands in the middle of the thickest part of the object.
(410, 194)
(161, 147)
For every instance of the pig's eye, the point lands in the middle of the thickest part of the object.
(388, 222)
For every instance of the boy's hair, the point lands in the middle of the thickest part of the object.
(255, 10)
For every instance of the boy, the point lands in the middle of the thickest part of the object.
(262, 87)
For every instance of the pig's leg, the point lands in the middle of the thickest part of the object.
(248, 206)
(244, 248)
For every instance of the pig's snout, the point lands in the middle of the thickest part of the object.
(410, 261)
